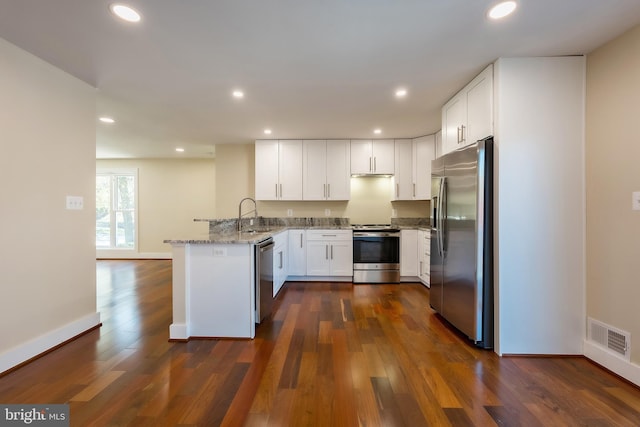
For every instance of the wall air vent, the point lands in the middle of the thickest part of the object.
(614, 340)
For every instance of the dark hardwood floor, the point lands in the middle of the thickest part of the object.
(333, 354)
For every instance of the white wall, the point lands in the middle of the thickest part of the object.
(171, 193)
(613, 173)
(47, 270)
(540, 208)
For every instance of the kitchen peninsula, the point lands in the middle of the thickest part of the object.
(214, 292)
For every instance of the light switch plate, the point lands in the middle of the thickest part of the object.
(635, 201)
(289, 212)
(327, 212)
(75, 202)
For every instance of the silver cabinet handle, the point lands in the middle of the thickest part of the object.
(370, 164)
(281, 191)
(329, 235)
(458, 135)
(397, 190)
(326, 251)
(280, 253)
(463, 138)
(276, 190)
(331, 251)
(324, 191)
(328, 191)
(414, 189)
(300, 239)
(375, 167)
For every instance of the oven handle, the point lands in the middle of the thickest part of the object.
(375, 234)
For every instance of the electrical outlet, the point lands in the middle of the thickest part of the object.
(251, 222)
(219, 251)
(635, 201)
(327, 212)
(75, 202)
(289, 212)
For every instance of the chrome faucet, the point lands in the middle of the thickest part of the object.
(240, 214)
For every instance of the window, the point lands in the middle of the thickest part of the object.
(116, 213)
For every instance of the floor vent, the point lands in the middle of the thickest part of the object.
(610, 338)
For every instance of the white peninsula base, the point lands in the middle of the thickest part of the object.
(213, 291)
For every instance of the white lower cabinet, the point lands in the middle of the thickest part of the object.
(329, 253)
(297, 253)
(280, 245)
(424, 256)
(409, 253)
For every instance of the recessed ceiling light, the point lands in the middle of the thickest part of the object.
(180, 150)
(401, 93)
(238, 94)
(106, 120)
(502, 9)
(377, 131)
(124, 12)
(267, 131)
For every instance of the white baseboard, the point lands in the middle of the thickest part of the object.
(178, 331)
(122, 254)
(628, 370)
(41, 344)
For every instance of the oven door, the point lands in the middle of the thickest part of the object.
(376, 257)
(372, 248)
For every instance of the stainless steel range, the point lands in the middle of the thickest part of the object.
(376, 253)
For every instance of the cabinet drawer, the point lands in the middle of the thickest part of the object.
(329, 235)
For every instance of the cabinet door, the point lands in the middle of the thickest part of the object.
(361, 157)
(338, 161)
(279, 268)
(402, 182)
(297, 253)
(423, 154)
(438, 143)
(383, 156)
(479, 95)
(266, 170)
(314, 165)
(454, 116)
(341, 257)
(318, 258)
(424, 248)
(409, 253)
(290, 170)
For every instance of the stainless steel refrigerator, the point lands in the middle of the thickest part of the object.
(462, 240)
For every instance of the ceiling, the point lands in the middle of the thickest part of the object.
(309, 68)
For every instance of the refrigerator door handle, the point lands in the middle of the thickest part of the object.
(442, 215)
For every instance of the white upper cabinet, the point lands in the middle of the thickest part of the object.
(278, 170)
(372, 157)
(403, 185)
(424, 151)
(412, 179)
(326, 167)
(468, 116)
(438, 143)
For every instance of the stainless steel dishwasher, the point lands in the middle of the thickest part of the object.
(264, 279)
